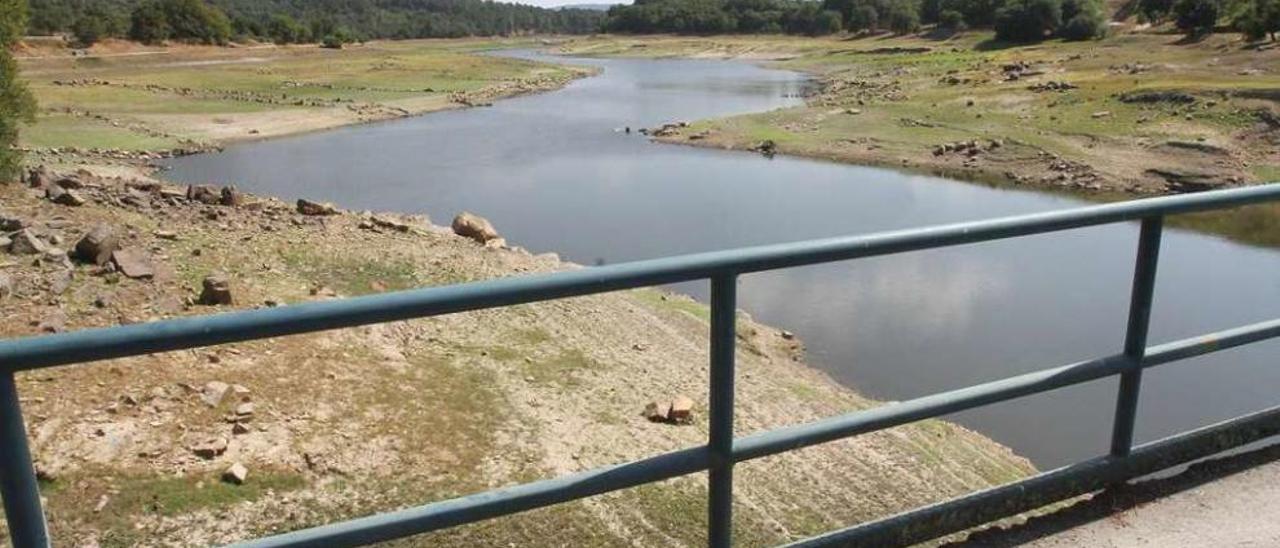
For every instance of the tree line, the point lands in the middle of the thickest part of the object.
(1012, 20)
(299, 21)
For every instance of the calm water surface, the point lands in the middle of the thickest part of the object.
(555, 173)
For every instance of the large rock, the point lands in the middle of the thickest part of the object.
(213, 392)
(205, 194)
(475, 227)
(62, 196)
(236, 474)
(216, 290)
(97, 246)
(308, 207)
(10, 223)
(133, 263)
(210, 448)
(232, 197)
(39, 177)
(26, 242)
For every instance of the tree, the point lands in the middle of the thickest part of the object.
(1027, 20)
(88, 30)
(16, 103)
(1195, 17)
(283, 29)
(1259, 18)
(149, 24)
(1084, 20)
(902, 17)
(951, 21)
(1155, 10)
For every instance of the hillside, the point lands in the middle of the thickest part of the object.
(345, 423)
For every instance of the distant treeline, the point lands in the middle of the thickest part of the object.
(1013, 20)
(291, 21)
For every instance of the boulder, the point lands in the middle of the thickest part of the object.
(681, 410)
(236, 474)
(214, 392)
(10, 223)
(308, 207)
(470, 225)
(97, 246)
(39, 177)
(71, 182)
(133, 263)
(62, 196)
(211, 448)
(26, 242)
(232, 197)
(216, 290)
(205, 194)
(657, 411)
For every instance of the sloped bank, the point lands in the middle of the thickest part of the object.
(350, 422)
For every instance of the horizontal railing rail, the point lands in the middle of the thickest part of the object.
(26, 519)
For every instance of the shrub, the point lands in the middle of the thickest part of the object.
(1155, 10)
(189, 20)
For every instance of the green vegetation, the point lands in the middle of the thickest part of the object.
(16, 103)
(128, 495)
(288, 21)
(183, 20)
(1035, 20)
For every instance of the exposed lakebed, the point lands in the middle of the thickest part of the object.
(556, 172)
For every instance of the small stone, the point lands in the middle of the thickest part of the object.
(210, 448)
(244, 409)
(787, 335)
(214, 392)
(239, 429)
(166, 235)
(236, 474)
(6, 286)
(239, 390)
(97, 246)
(216, 290)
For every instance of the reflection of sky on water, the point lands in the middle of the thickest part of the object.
(554, 174)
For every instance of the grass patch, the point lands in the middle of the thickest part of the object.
(132, 495)
(52, 131)
(663, 300)
(352, 275)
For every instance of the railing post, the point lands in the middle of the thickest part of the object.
(720, 476)
(1135, 341)
(27, 528)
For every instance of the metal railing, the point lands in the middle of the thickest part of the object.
(26, 519)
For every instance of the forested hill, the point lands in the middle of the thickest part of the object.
(307, 20)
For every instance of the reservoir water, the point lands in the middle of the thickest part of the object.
(554, 172)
